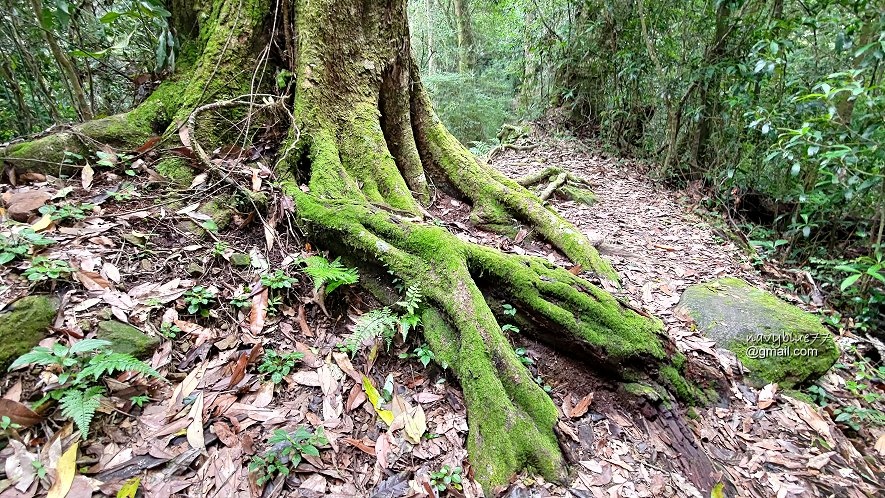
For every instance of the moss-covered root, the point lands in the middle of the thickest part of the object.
(510, 417)
(495, 196)
(504, 437)
(567, 311)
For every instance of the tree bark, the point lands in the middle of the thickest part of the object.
(466, 46)
(364, 156)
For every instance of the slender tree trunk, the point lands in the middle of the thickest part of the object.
(428, 31)
(66, 66)
(466, 46)
(23, 113)
(36, 76)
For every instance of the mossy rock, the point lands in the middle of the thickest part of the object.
(24, 326)
(775, 340)
(127, 339)
(176, 170)
(240, 259)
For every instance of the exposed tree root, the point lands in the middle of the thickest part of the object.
(366, 152)
(570, 186)
(511, 418)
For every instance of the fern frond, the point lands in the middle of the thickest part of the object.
(110, 363)
(332, 274)
(37, 356)
(370, 327)
(80, 406)
(89, 345)
(413, 299)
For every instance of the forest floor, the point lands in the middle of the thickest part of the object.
(137, 254)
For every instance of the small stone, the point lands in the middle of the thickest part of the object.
(24, 205)
(195, 269)
(24, 326)
(240, 259)
(127, 339)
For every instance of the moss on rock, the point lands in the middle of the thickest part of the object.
(127, 339)
(776, 341)
(24, 326)
(176, 170)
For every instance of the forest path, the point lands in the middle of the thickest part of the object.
(660, 244)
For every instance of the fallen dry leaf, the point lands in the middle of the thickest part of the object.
(195, 429)
(86, 175)
(416, 425)
(18, 413)
(66, 469)
(259, 312)
(581, 408)
(880, 445)
(766, 396)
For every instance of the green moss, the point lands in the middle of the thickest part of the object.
(44, 155)
(578, 194)
(127, 339)
(24, 327)
(776, 341)
(644, 391)
(177, 170)
(220, 208)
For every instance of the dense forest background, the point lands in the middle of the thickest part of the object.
(771, 109)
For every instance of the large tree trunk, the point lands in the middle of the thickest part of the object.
(365, 153)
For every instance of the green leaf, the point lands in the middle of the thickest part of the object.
(848, 282)
(89, 345)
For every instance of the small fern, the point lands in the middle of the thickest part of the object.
(370, 327)
(80, 406)
(384, 322)
(107, 363)
(329, 274)
(80, 369)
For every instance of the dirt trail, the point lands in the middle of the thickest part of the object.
(659, 246)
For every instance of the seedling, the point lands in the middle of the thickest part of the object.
(510, 328)
(523, 356)
(81, 370)
(540, 381)
(220, 248)
(273, 305)
(67, 212)
(446, 477)
(286, 452)
(47, 269)
(199, 300)
(243, 299)
(422, 353)
(169, 330)
(6, 424)
(20, 244)
(278, 280)
(140, 400)
(509, 310)
(279, 365)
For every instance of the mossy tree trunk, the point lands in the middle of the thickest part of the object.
(365, 155)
